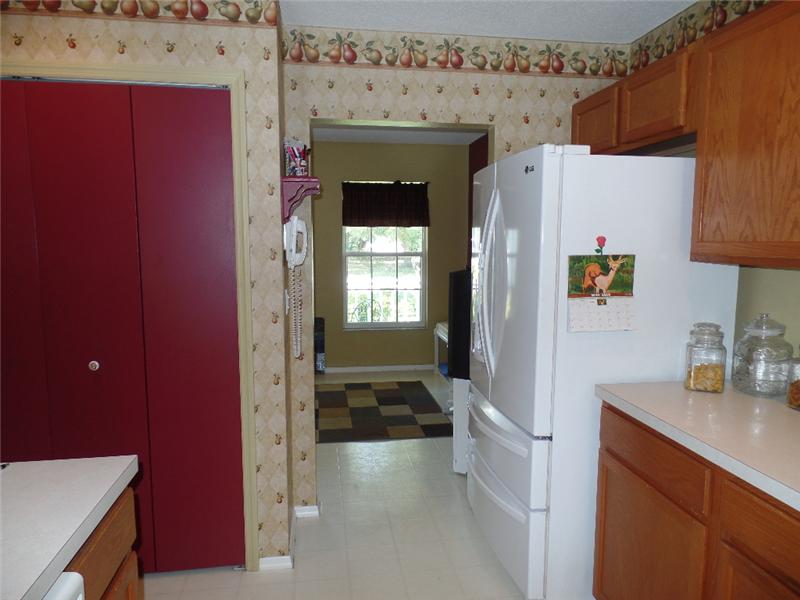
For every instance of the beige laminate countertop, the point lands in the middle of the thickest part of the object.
(756, 439)
(48, 509)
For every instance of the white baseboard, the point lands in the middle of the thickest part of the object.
(270, 563)
(428, 367)
(305, 512)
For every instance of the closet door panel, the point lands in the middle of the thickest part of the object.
(84, 192)
(184, 177)
(24, 423)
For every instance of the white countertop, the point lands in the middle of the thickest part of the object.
(48, 509)
(756, 439)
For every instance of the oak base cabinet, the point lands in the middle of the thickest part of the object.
(106, 561)
(647, 546)
(671, 525)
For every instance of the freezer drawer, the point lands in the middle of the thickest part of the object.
(516, 534)
(518, 460)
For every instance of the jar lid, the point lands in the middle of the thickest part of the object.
(763, 326)
(707, 329)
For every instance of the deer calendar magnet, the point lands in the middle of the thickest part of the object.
(600, 292)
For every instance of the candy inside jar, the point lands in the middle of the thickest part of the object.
(793, 393)
(705, 359)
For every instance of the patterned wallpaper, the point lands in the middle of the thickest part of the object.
(686, 27)
(398, 50)
(252, 48)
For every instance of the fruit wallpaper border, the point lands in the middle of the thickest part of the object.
(404, 50)
(254, 12)
(687, 27)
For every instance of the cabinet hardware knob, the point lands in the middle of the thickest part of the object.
(94, 365)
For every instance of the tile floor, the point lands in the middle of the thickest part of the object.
(395, 524)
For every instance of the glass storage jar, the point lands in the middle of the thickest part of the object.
(793, 390)
(761, 358)
(705, 359)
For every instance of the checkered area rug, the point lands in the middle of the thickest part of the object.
(385, 410)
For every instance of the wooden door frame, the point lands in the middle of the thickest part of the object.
(234, 80)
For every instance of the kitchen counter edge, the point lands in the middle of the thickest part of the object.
(625, 397)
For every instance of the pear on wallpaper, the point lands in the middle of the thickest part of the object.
(271, 13)
(199, 10)
(86, 6)
(253, 13)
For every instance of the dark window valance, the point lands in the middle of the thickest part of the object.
(385, 204)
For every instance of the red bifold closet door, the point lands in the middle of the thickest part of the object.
(184, 180)
(85, 199)
(24, 420)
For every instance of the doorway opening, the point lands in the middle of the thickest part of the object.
(382, 303)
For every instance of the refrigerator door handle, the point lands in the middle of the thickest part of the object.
(496, 437)
(486, 254)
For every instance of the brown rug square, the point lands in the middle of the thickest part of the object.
(385, 410)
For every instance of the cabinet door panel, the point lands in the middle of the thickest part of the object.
(646, 547)
(653, 101)
(25, 431)
(594, 120)
(83, 182)
(184, 177)
(740, 579)
(747, 201)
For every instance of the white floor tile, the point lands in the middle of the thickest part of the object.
(365, 561)
(325, 564)
(327, 589)
(422, 556)
(164, 583)
(486, 582)
(378, 587)
(212, 579)
(434, 585)
(275, 591)
(413, 531)
(470, 553)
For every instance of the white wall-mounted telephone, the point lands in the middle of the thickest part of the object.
(295, 242)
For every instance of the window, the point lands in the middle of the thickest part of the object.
(384, 276)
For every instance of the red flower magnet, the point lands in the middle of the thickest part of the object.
(601, 242)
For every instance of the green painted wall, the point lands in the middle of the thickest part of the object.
(774, 291)
(445, 167)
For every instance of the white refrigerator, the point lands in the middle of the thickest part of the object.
(537, 354)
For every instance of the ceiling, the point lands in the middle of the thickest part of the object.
(365, 134)
(611, 21)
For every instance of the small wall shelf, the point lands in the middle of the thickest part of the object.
(294, 190)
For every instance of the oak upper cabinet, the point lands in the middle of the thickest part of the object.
(747, 197)
(653, 101)
(594, 120)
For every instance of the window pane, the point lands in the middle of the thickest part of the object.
(358, 272)
(384, 272)
(408, 306)
(356, 239)
(383, 306)
(384, 239)
(409, 272)
(409, 239)
(358, 306)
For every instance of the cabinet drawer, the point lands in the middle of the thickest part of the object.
(761, 530)
(653, 101)
(125, 585)
(672, 471)
(594, 120)
(100, 557)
